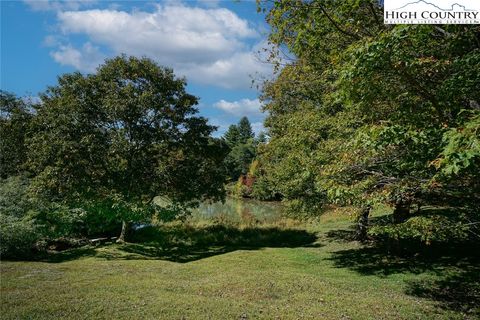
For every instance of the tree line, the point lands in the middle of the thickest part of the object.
(361, 113)
(97, 149)
(358, 114)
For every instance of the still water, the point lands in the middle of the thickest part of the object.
(239, 210)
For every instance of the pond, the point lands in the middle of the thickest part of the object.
(239, 210)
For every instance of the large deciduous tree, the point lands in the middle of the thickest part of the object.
(15, 117)
(121, 136)
(367, 112)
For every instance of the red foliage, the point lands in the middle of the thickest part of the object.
(247, 180)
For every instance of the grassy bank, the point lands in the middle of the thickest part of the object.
(203, 271)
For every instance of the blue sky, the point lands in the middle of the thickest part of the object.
(212, 43)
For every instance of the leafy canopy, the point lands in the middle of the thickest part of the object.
(15, 117)
(366, 112)
(123, 135)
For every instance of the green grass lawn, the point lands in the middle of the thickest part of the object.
(290, 271)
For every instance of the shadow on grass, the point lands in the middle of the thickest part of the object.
(341, 235)
(183, 243)
(459, 290)
(452, 274)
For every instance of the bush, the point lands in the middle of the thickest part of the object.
(424, 230)
(26, 221)
(242, 190)
(263, 190)
(18, 232)
(14, 200)
(18, 237)
(57, 220)
(92, 218)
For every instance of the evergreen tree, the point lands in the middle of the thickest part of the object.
(240, 139)
(232, 136)
(245, 130)
(261, 138)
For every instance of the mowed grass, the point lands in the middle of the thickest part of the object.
(202, 271)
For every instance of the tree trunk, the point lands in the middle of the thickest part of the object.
(401, 212)
(362, 224)
(124, 231)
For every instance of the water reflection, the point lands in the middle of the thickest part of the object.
(239, 210)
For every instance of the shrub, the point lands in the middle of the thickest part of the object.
(241, 189)
(424, 230)
(27, 221)
(14, 200)
(263, 190)
(18, 237)
(18, 232)
(57, 220)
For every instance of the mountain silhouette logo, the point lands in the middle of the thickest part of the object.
(432, 11)
(434, 6)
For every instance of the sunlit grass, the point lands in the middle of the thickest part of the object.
(202, 270)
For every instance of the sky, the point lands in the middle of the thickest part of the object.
(215, 44)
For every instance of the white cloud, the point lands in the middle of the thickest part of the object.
(235, 71)
(234, 110)
(244, 107)
(173, 34)
(221, 124)
(258, 127)
(86, 59)
(55, 5)
(207, 45)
